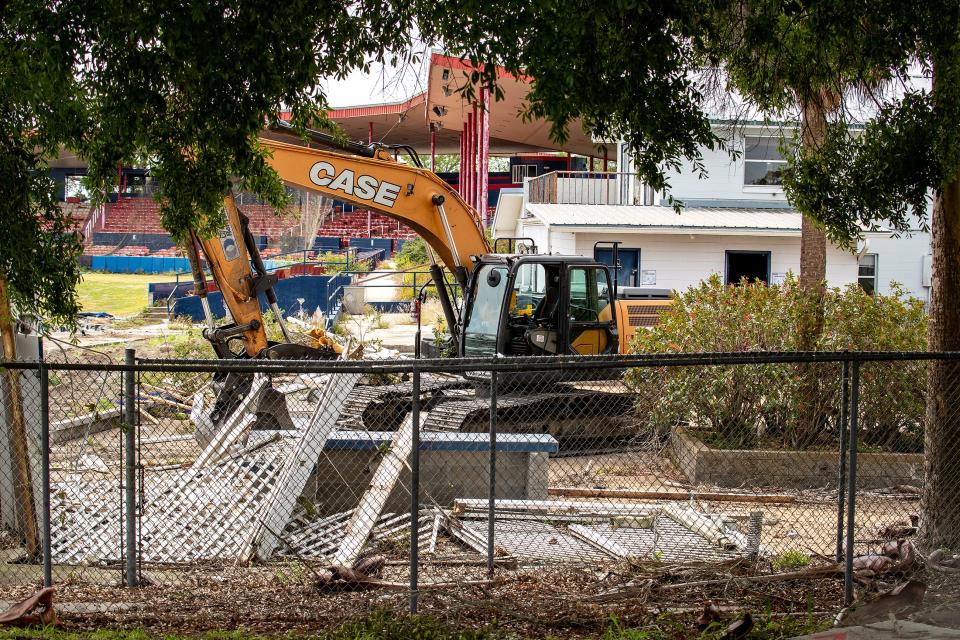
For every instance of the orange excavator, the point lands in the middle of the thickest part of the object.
(511, 304)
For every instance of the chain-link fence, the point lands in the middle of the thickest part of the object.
(561, 488)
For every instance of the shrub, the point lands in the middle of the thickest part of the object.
(413, 253)
(744, 404)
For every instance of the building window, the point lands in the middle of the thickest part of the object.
(763, 162)
(520, 172)
(749, 266)
(867, 276)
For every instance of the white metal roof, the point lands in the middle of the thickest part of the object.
(575, 217)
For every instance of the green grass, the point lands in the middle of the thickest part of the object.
(791, 561)
(396, 626)
(120, 294)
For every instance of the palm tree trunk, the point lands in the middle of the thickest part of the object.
(813, 276)
(940, 526)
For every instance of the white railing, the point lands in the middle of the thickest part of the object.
(589, 187)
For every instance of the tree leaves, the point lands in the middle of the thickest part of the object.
(622, 68)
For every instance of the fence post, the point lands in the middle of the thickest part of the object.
(852, 482)
(45, 471)
(842, 464)
(415, 490)
(492, 494)
(129, 488)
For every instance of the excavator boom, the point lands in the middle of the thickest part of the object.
(414, 196)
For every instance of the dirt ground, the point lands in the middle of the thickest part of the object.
(531, 602)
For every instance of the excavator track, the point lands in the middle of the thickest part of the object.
(449, 403)
(565, 412)
(383, 407)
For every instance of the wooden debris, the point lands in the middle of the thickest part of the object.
(172, 403)
(553, 509)
(705, 526)
(165, 439)
(629, 494)
(176, 395)
(21, 614)
(145, 415)
(374, 499)
(435, 531)
(299, 462)
(598, 541)
(466, 535)
(814, 573)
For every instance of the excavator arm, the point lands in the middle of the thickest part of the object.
(364, 176)
(415, 196)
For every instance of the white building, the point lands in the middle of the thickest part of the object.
(734, 223)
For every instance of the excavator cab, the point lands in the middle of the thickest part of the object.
(538, 305)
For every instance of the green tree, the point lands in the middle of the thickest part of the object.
(803, 61)
(622, 68)
(188, 86)
(883, 176)
(41, 108)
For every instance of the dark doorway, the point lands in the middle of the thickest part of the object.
(629, 273)
(752, 265)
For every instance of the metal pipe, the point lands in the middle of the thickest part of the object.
(842, 463)
(415, 483)
(130, 462)
(45, 530)
(283, 325)
(436, 273)
(438, 200)
(852, 483)
(492, 490)
(199, 280)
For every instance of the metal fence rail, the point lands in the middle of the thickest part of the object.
(438, 475)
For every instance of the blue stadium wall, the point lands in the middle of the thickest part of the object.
(315, 291)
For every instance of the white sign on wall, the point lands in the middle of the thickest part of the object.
(648, 278)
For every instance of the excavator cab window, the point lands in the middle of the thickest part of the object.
(480, 328)
(591, 328)
(529, 288)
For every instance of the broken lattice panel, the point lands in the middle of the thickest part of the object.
(216, 512)
(320, 538)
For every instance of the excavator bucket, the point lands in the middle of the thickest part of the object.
(269, 405)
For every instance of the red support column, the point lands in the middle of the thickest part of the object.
(591, 165)
(475, 162)
(471, 165)
(433, 149)
(484, 155)
(462, 178)
(369, 133)
(606, 161)
(569, 160)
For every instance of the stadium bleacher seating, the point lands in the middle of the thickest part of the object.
(141, 215)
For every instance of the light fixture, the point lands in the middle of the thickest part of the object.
(445, 75)
(440, 110)
(447, 91)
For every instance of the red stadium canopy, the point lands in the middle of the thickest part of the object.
(441, 105)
